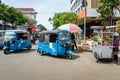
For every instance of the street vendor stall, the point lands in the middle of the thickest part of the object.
(103, 45)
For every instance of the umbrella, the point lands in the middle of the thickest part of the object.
(70, 27)
(80, 30)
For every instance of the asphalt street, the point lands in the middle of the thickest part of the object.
(29, 65)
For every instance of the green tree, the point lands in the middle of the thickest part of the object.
(11, 15)
(4, 15)
(17, 17)
(31, 21)
(64, 18)
(106, 8)
(42, 28)
(118, 26)
(20, 18)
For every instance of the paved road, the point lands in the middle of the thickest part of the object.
(29, 65)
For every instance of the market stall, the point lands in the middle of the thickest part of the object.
(103, 45)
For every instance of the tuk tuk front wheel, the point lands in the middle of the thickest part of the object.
(41, 52)
(28, 48)
(69, 56)
(6, 51)
(97, 57)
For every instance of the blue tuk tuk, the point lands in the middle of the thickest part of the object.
(16, 40)
(55, 42)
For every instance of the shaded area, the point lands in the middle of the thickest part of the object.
(74, 57)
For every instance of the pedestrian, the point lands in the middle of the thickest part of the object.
(73, 40)
(116, 47)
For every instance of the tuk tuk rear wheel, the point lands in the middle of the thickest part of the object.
(41, 52)
(69, 56)
(6, 51)
(97, 57)
(29, 47)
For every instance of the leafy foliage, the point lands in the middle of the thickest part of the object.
(4, 15)
(42, 28)
(118, 26)
(11, 15)
(64, 18)
(105, 9)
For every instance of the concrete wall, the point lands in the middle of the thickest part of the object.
(92, 3)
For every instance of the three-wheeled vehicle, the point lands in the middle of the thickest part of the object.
(55, 42)
(16, 40)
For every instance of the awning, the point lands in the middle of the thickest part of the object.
(110, 26)
(96, 27)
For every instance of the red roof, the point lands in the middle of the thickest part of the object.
(25, 9)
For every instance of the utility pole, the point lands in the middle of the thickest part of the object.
(84, 2)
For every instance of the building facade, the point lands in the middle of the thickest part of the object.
(77, 6)
(28, 12)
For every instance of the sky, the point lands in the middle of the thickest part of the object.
(44, 8)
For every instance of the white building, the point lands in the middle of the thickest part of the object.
(28, 12)
(77, 6)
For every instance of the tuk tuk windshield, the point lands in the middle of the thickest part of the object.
(10, 34)
(64, 36)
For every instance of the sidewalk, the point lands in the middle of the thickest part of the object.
(88, 44)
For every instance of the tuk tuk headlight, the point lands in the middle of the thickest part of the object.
(68, 42)
(68, 45)
(6, 40)
(12, 41)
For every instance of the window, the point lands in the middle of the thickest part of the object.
(22, 36)
(53, 37)
(47, 37)
(64, 36)
(41, 37)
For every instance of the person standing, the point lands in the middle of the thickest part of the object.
(73, 40)
(116, 48)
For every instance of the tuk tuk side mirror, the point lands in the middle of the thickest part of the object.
(13, 41)
(56, 38)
